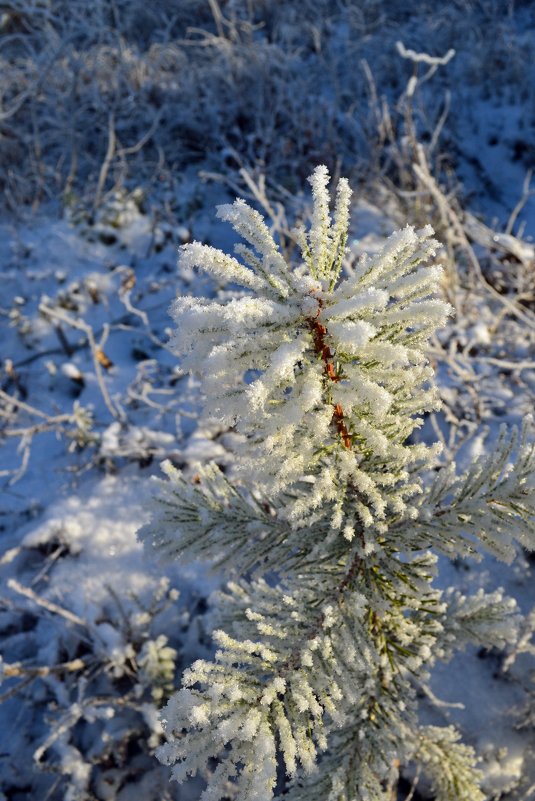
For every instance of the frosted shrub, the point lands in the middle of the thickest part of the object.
(332, 521)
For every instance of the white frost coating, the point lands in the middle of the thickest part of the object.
(219, 264)
(250, 225)
(351, 335)
(369, 300)
(285, 358)
(320, 234)
(302, 331)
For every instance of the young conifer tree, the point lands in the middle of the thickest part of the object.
(330, 527)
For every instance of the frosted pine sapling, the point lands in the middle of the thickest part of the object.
(330, 525)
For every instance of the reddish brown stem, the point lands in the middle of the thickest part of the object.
(341, 427)
(323, 350)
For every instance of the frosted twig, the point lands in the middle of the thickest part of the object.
(414, 784)
(9, 555)
(422, 172)
(440, 124)
(525, 196)
(434, 62)
(511, 245)
(38, 428)
(71, 717)
(438, 702)
(217, 14)
(506, 364)
(49, 421)
(103, 174)
(50, 606)
(25, 447)
(140, 144)
(125, 298)
(424, 58)
(16, 669)
(26, 406)
(81, 325)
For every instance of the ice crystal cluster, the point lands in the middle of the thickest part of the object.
(330, 525)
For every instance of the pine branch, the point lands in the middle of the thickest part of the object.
(330, 620)
(491, 505)
(449, 764)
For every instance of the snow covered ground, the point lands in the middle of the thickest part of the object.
(95, 634)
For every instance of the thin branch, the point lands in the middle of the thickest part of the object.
(16, 669)
(59, 314)
(103, 174)
(50, 606)
(26, 406)
(525, 196)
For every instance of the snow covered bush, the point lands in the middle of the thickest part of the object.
(331, 522)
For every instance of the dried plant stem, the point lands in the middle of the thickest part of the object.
(80, 325)
(14, 670)
(50, 606)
